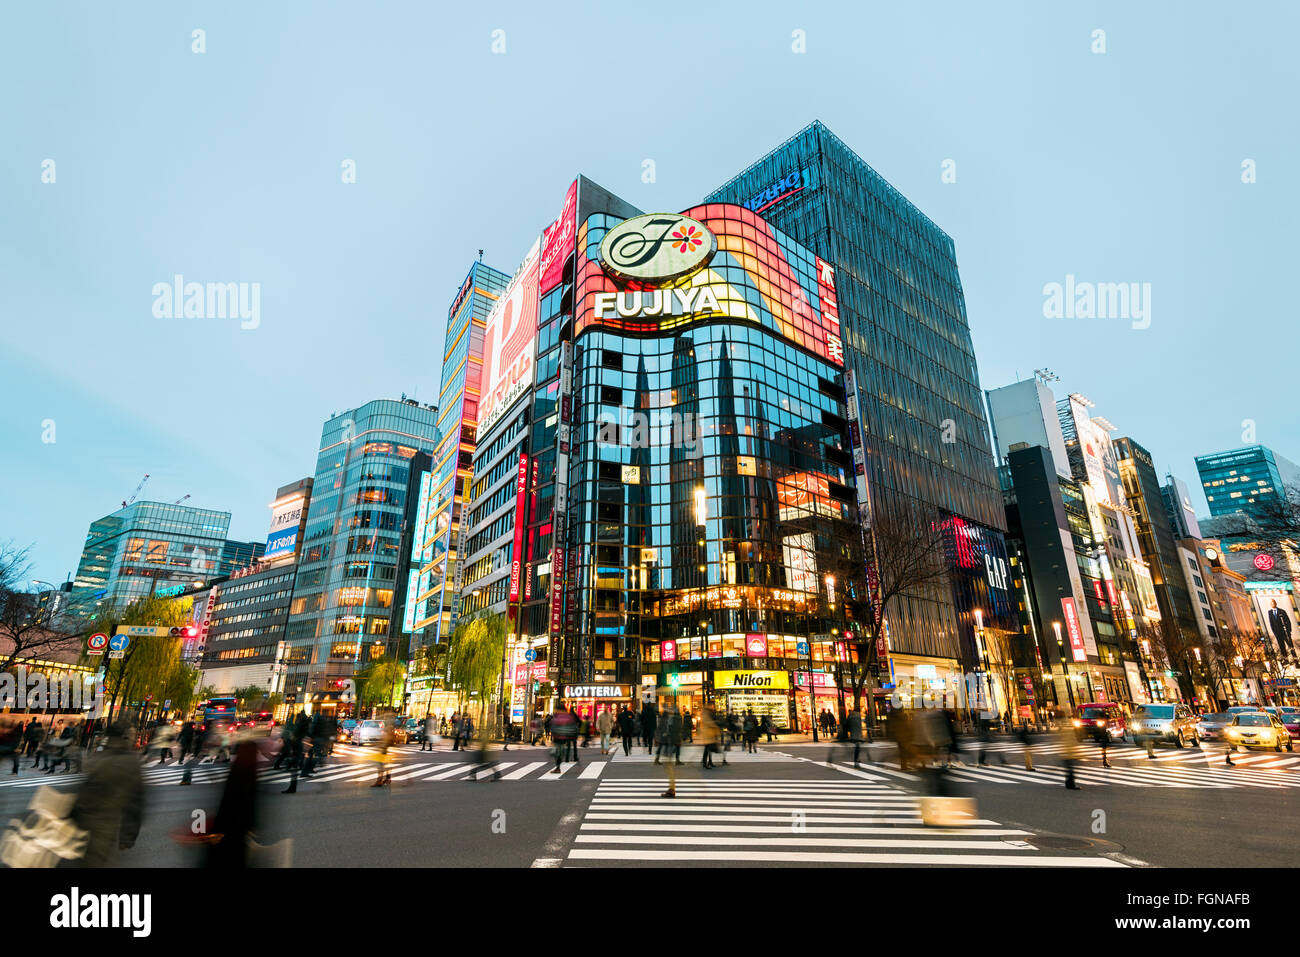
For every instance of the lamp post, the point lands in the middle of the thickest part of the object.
(1065, 665)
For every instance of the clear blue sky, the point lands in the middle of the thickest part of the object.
(225, 167)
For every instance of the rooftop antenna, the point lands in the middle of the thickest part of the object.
(480, 255)
(1046, 375)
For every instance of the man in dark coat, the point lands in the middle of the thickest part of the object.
(649, 720)
(110, 803)
(626, 728)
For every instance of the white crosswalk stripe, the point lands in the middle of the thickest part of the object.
(1206, 775)
(789, 821)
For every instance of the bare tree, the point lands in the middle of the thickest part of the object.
(30, 622)
(905, 555)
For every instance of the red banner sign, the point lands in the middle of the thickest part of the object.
(1077, 648)
(521, 487)
(558, 240)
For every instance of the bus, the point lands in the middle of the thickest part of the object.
(219, 709)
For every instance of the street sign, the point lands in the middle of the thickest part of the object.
(530, 655)
(143, 631)
(117, 654)
(801, 647)
(96, 643)
(119, 644)
(167, 704)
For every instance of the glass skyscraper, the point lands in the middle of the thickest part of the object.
(907, 340)
(350, 551)
(150, 548)
(1249, 480)
(438, 532)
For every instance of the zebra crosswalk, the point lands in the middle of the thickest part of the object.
(350, 771)
(789, 821)
(1206, 773)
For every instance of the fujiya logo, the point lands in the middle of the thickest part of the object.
(75, 910)
(657, 247)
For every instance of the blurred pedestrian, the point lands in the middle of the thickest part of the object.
(430, 732)
(1027, 743)
(161, 742)
(708, 737)
(564, 728)
(236, 815)
(1102, 737)
(673, 727)
(382, 757)
(484, 760)
(649, 723)
(854, 726)
(33, 735)
(750, 728)
(11, 741)
(110, 802)
(605, 724)
(661, 734)
(185, 740)
(675, 735)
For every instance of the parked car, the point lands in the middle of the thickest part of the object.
(1209, 727)
(1164, 723)
(414, 729)
(346, 727)
(370, 731)
(401, 731)
(1258, 729)
(1291, 721)
(1096, 716)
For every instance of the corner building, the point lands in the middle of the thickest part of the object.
(908, 344)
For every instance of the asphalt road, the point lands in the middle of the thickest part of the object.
(783, 806)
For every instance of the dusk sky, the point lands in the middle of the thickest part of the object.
(225, 166)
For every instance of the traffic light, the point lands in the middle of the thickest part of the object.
(184, 631)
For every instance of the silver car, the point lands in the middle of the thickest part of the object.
(1168, 723)
(369, 732)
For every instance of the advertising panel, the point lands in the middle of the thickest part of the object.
(1077, 648)
(1276, 613)
(286, 517)
(558, 239)
(662, 273)
(516, 554)
(561, 514)
(800, 563)
(509, 344)
(746, 680)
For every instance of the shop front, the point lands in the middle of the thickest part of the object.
(825, 697)
(589, 700)
(766, 693)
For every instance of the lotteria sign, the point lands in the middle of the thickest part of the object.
(657, 247)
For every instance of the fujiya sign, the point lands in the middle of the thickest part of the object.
(657, 247)
(692, 300)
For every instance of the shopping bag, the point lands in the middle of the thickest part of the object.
(46, 835)
(948, 811)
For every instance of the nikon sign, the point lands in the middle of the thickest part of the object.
(657, 248)
(744, 680)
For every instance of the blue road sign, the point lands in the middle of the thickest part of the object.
(530, 655)
(801, 648)
(119, 642)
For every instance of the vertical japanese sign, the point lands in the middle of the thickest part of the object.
(830, 311)
(521, 488)
(1078, 650)
(560, 521)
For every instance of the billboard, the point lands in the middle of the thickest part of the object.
(516, 560)
(286, 517)
(510, 344)
(666, 271)
(1078, 649)
(558, 239)
(1277, 618)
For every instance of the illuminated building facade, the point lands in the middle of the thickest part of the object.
(351, 544)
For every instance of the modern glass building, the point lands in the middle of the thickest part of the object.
(350, 551)
(437, 535)
(149, 548)
(907, 340)
(1252, 480)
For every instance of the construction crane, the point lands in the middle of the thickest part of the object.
(137, 490)
(179, 500)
